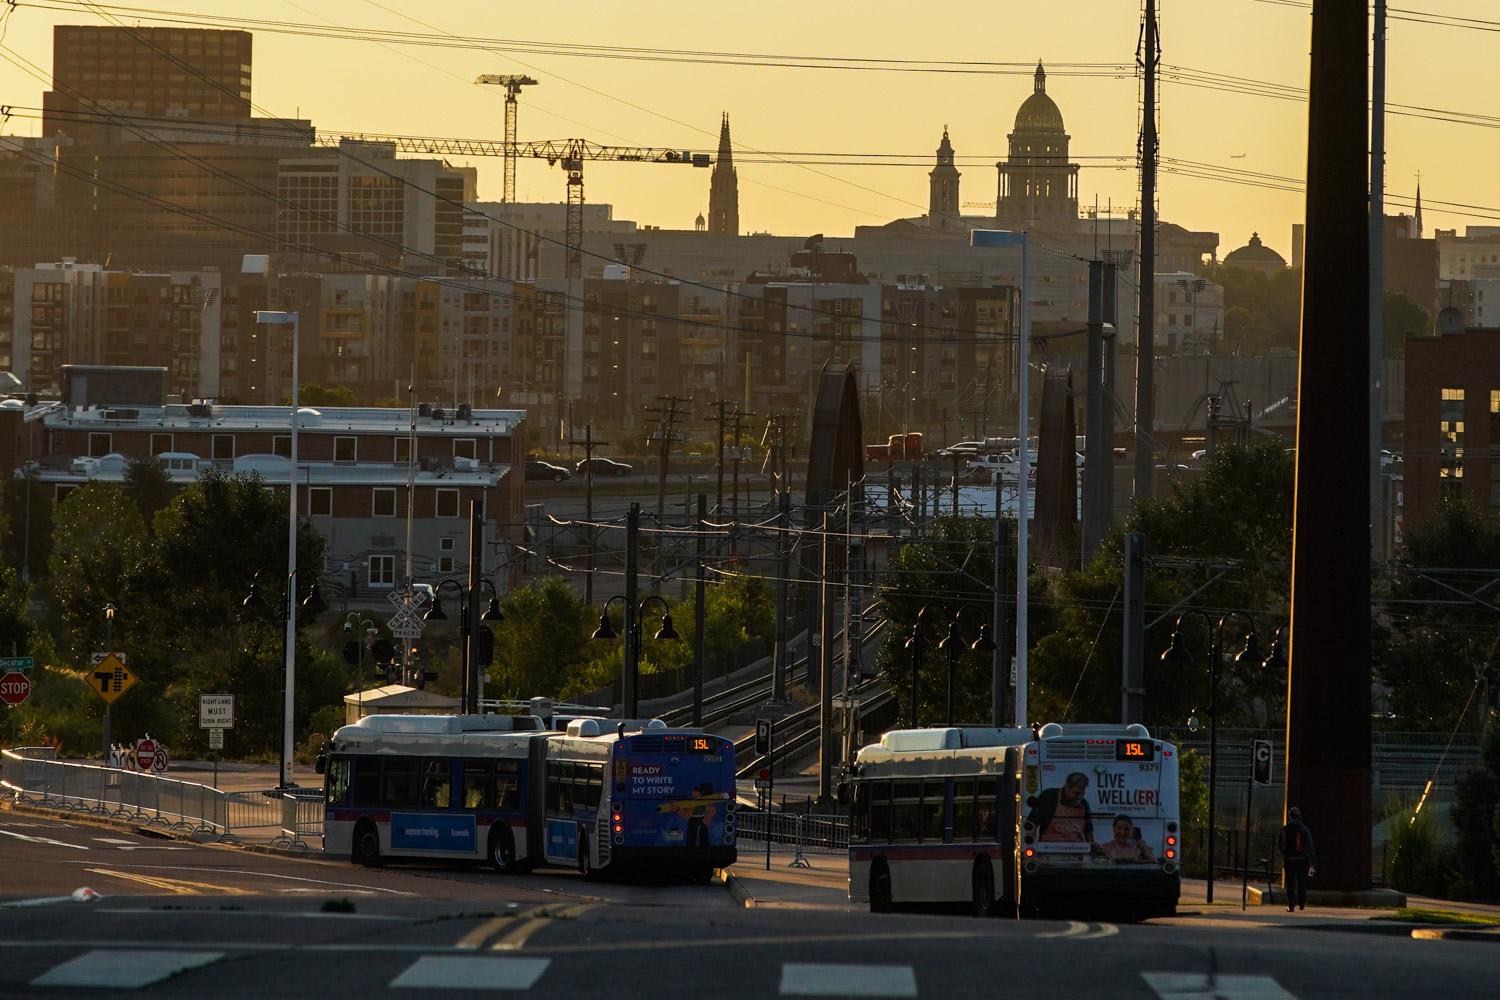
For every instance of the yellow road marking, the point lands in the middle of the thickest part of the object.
(181, 887)
(515, 933)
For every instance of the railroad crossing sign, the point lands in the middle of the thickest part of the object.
(15, 687)
(406, 623)
(21, 663)
(110, 677)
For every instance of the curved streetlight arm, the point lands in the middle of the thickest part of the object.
(666, 608)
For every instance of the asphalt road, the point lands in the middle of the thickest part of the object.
(184, 921)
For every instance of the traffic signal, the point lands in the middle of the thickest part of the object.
(485, 646)
(351, 652)
(385, 652)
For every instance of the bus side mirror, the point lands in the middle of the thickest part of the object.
(841, 793)
(320, 764)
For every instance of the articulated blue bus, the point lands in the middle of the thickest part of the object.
(606, 797)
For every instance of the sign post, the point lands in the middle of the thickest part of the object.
(216, 714)
(110, 678)
(1260, 774)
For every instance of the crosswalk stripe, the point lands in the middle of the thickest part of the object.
(1201, 986)
(465, 972)
(113, 969)
(43, 840)
(829, 980)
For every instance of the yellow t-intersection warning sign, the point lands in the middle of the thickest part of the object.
(109, 676)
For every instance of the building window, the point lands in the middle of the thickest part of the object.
(445, 545)
(161, 443)
(99, 443)
(383, 503)
(447, 503)
(403, 450)
(281, 445)
(223, 447)
(320, 501)
(345, 449)
(382, 571)
(463, 448)
(445, 564)
(1451, 442)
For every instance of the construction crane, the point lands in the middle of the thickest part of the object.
(570, 154)
(512, 84)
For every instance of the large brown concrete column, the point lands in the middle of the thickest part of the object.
(1328, 688)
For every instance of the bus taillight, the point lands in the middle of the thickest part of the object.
(1031, 852)
(1172, 841)
(1171, 854)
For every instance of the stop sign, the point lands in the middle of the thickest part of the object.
(15, 688)
(145, 754)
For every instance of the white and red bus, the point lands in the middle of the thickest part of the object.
(1099, 821)
(933, 819)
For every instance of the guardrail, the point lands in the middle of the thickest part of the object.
(285, 818)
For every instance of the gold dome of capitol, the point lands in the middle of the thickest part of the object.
(1039, 113)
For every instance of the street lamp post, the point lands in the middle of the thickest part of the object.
(277, 318)
(632, 645)
(313, 602)
(953, 644)
(467, 632)
(1006, 238)
(370, 632)
(109, 643)
(1177, 654)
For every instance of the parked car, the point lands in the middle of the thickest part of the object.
(604, 467)
(964, 448)
(538, 469)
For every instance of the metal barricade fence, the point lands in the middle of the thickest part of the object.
(288, 820)
(806, 834)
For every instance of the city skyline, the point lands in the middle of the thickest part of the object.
(673, 103)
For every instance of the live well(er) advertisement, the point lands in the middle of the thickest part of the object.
(1104, 812)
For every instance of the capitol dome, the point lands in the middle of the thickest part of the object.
(1255, 256)
(1039, 113)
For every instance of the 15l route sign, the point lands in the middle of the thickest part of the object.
(15, 688)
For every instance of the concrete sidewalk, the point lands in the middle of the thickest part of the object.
(824, 884)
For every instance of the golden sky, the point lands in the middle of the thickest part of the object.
(359, 85)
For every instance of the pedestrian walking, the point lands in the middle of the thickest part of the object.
(1298, 859)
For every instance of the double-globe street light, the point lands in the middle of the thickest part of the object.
(1177, 654)
(632, 647)
(314, 604)
(468, 633)
(953, 644)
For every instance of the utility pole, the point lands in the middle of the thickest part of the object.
(589, 444)
(739, 415)
(1133, 644)
(628, 685)
(783, 571)
(827, 744)
(1377, 281)
(667, 425)
(699, 666)
(1000, 664)
(1145, 392)
(1098, 422)
(471, 639)
(722, 406)
(1328, 692)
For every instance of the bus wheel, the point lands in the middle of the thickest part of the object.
(503, 850)
(366, 845)
(984, 887)
(880, 889)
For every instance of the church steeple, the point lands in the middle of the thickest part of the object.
(942, 198)
(724, 188)
(1418, 219)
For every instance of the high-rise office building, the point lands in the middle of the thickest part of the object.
(189, 73)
